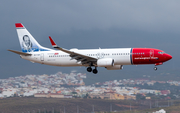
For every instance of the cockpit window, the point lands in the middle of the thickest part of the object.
(161, 52)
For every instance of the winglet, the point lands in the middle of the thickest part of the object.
(52, 42)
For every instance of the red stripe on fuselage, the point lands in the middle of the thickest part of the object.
(147, 56)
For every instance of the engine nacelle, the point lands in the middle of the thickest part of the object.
(105, 62)
(115, 67)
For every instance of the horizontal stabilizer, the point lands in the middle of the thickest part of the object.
(20, 53)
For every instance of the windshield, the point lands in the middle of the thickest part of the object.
(161, 52)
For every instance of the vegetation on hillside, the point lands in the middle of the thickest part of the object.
(53, 105)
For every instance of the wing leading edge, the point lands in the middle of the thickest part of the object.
(83, 59)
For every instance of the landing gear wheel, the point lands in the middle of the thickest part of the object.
(89, 69)
(95, 71)
(155, 68)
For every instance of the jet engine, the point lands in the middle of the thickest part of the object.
(115, 67)
(105, 62)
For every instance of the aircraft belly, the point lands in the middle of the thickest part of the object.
(61, 62)
(67, 62)
(30, 58)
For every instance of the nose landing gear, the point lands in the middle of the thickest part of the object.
(155, 68)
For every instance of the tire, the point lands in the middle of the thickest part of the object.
(155, 68)
(95, 71)
(89, 69)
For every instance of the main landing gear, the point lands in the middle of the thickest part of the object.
(155, 68)
(89, 69)
(95, 71)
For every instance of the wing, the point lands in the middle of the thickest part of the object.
(20, 53)
(83, 59)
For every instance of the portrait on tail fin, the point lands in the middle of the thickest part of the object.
(26, 44)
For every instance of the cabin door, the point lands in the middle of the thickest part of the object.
(42, 57)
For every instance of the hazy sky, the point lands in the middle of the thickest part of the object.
(86, 24)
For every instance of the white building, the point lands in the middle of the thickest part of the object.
(8, 92)
(160, 111)
(26, 94)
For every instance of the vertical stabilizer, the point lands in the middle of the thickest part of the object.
(27, 41)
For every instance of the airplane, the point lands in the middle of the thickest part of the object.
(111, 59)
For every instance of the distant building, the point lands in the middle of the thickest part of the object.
(165, 92)
(40, 95)
(1, 96)
(26, 94)
(68, 96)
(8, 92)
(52, 95)
(148, 98)
(160, 111)
(113, 96)
(56, 95)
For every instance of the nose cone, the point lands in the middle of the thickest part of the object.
(168, 57)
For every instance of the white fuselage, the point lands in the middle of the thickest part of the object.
(121, 56)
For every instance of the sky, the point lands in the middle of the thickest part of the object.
(91, 24)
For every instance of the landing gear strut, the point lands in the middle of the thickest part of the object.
(155, 68)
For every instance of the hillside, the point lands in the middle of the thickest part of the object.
(36, 105)
(23, 104)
